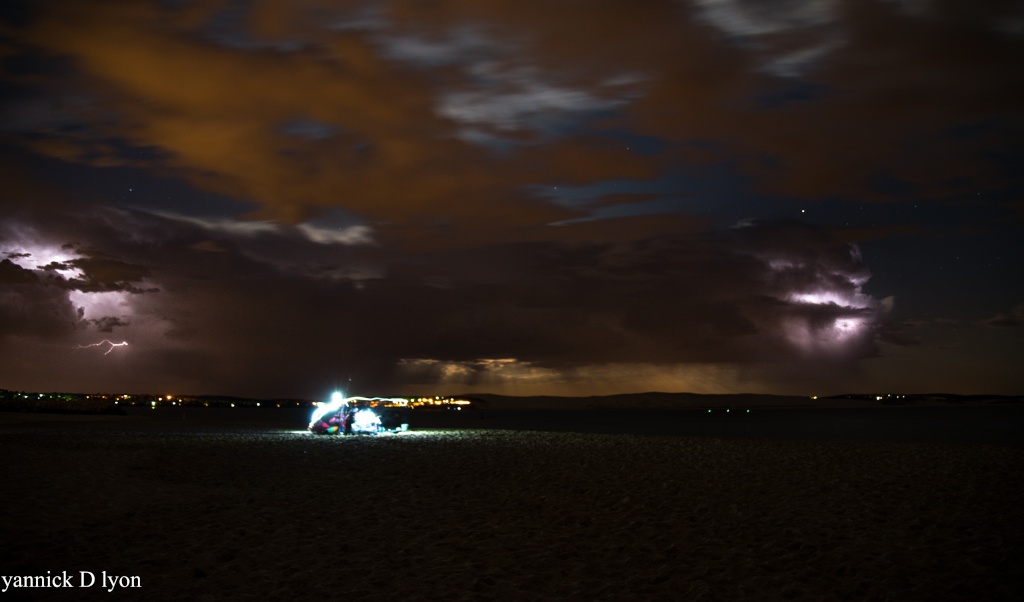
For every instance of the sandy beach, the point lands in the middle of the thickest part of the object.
(220, 512)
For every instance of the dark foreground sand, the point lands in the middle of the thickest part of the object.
(262, 513)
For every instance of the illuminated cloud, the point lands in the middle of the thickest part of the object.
(234, 227)
(348, 235)
(515, 377)
(71, 287)
(749, 18)
(351, 235)
(104, 309)
(502, 372)
(473, 50)
(505, 94)
(521, 101)
(770, 28)
(24, 246)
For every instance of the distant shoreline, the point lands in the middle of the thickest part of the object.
(93, 404)
(691, 401)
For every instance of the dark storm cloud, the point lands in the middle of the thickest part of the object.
(663, 300)
(103, 274)
(667, 299)
(33, 305)
(1014, 317)
(109, 323)
(254, 318)
(559, 310)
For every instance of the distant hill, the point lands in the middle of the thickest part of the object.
(96, 403)
(681, 401)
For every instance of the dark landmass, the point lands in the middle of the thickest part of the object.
(934, 418)
(107, 403)
(690, 401)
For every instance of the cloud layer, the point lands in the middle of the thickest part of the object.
(268, 196)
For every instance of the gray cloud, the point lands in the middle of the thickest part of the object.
(789, 35)
(1014, 317)
(109, 323)
(32, 304)
(521, 101)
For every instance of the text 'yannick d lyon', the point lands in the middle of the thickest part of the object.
(65, 579)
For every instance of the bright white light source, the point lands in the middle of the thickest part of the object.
(365, 421)
(323, 409)
(106, 342)
(98, 304)
(845, 328)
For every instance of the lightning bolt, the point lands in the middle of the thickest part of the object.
(105, 342)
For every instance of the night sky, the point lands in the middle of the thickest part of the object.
(274, 198)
